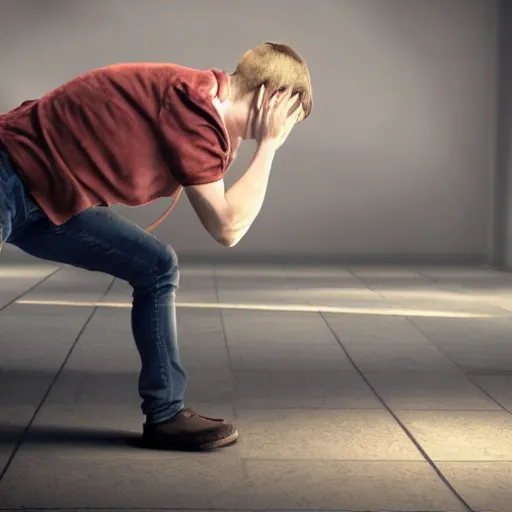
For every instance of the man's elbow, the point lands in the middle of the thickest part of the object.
(228, 240)
(227, 234)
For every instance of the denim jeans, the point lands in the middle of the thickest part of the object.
(100, 240)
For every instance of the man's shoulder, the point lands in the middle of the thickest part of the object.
(199, 84)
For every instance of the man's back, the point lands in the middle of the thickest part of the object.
(127, 133)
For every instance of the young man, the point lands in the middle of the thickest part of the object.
(130, 134)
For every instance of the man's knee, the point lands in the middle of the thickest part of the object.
(158, 267)
(166, 264)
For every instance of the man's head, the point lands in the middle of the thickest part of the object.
(277, 67)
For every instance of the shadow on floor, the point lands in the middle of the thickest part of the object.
(70, 436)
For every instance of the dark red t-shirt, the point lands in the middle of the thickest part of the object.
(124, 134)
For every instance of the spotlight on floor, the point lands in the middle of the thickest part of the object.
(275, 307)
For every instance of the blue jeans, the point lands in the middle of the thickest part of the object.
(100, 240)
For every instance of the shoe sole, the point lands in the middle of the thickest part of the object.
(212, 445)
(220, 443)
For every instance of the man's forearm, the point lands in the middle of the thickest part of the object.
(246, 196)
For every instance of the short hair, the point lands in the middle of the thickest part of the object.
(277, 67)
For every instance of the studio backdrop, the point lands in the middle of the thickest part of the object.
(396, 161)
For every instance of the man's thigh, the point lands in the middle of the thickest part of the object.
(98, 239)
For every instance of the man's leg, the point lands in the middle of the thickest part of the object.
(101, 240)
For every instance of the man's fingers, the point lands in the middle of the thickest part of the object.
(294, 104)
(293, 99)
(291, 108)
(291, 121)
(284, 96)
(260, 98)
(288, 101)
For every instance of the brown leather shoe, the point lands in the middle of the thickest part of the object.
(189, 431)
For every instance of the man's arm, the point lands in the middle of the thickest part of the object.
(227, 216)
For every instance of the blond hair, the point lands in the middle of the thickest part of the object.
(276, 66)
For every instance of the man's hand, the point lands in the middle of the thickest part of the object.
(275, 116)
(227, 216)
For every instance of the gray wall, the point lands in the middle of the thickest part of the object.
(502, 254)
(396, 162)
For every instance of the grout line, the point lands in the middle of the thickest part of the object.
(230, 363)
(50, 387)
(399, 422)
(361, 409)
(377, 461)
(226, 344)
(51, 274)
(363, 282)
(483, 390)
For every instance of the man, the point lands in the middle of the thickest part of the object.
(130, 134)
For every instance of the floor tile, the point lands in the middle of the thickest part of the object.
(94, 388)
(234, 271)
(430, 390)
(107, 344)
(159, 480)
(307, 390)
(38, 338)
(498, 386)
(201, 359)
(316, 273)
(267, 298)
(483, 485)
(355, 486)
(283, 328)
(13, 423)
(461, 435)
(17, 278)
(476, 345)
(398, 273)
(279, 358)
(19, 387)
(257, 287)
(460, 273)
(388, 278)
(323, 434)
(197, 284)
(387, 344)
(338, 288)
(263, 341)
(251, 284)
(70, 285)
(444, 308)
(120, 291)
(217, 482)
(200, 328)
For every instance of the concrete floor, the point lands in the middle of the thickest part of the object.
(361, 389)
